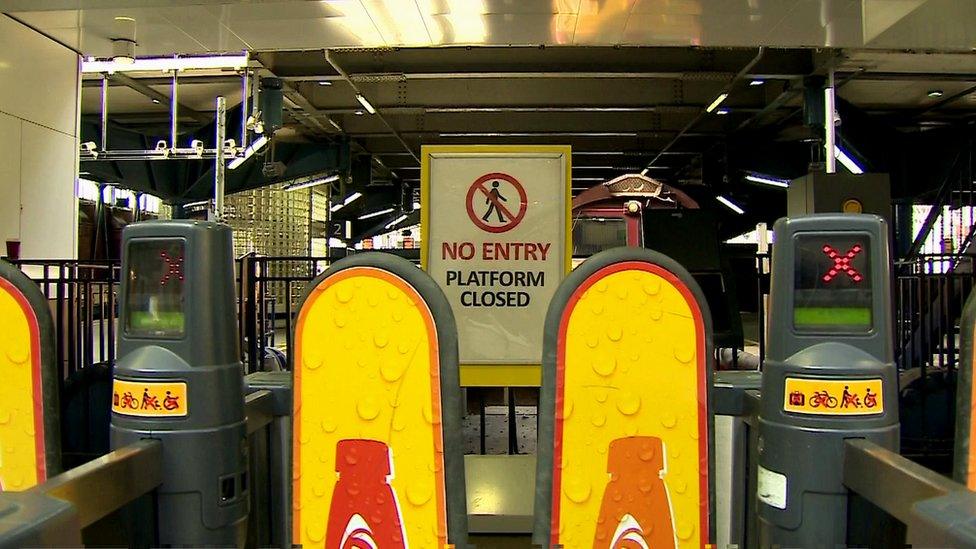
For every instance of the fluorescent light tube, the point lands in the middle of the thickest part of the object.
(165, 64)
(718, 101)
(395, 221)
(366, 105)
(376, 214)
(848, 162)
(248, 152)
(312, 183)
(349, 200)
(767, 181)
(730, 205)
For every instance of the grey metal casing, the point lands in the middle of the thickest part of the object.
(32, 519)
(208, 446)
(808, 449)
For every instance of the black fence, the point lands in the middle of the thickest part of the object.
(83, 299)
(269, 290)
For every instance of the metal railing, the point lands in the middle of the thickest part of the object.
(270, 288)
(917, 505)
(84, 299)
(60, 509)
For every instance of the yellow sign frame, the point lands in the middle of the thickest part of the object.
(169, 398)
(498, 374)
(833, 397)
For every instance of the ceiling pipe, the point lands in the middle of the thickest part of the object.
(357, 91)
(728, 88)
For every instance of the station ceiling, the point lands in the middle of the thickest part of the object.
(625, 82)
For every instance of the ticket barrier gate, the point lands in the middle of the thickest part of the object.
(598, 429)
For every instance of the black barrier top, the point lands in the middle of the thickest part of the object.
(387, 269)
(42, 368)
(647, 429)
(177, 290)
(964, 465)
(831, 282)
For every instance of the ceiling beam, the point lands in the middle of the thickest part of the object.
(94, 81)
(157, 96)
(359, 94)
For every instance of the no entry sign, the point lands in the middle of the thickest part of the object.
(495, 224)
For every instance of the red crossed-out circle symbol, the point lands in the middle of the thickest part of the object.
(496, 205)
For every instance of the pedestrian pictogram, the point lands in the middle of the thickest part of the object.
(496, 202)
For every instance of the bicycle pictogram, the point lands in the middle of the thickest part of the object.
(823, 398)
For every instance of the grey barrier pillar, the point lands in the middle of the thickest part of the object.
(829, 373)
(180, 379)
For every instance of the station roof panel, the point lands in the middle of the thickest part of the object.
(199, 26)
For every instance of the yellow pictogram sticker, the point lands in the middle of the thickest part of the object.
(149, 399)
(833, 397)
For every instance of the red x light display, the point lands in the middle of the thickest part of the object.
(842, 263)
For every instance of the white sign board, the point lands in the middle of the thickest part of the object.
(496, 240)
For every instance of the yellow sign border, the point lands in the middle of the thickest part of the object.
(490, 374)
(837, 408)
(177, 386)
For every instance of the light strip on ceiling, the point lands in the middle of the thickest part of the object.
(538, 134)
(718, 101)
(393, 223)
(312, 183)
(848, 161)
(376, 214)
(730, 205)
(248, 152)
(766, 180)
(366, 104)
(349, 200)
(165, 64)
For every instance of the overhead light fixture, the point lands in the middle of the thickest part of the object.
(254, 147)
(124, 41)
(311, 183)
(718, 101)
(538, 134)
(359, 112)
(848, 161)
(366, 104)
(123, 52)
(766, 180)
(730, 205)
(757, 82)
(349, 200)
(325, 82)
(154, 100)
(722, 111)
(936, 93)
(166, 64)
(393, 223)
(376, 214)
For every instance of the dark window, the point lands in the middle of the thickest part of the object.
(833, 282)
(155, 288)
(592, 235)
